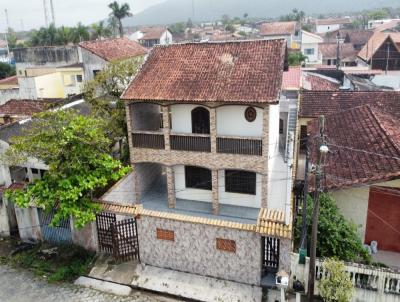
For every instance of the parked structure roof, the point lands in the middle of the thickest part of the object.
(364, 145)
(114, 49)
(278, 28)
(242, 71)
(23, 108)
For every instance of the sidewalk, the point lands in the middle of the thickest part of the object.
(178, 284)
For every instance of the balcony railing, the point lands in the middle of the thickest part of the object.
(245, 146)
(191, 142)
(148, 140)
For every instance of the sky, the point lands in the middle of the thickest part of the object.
(29, 14)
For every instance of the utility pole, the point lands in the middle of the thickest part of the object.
(7, 33)
(303, 245)
(338, 50)
(53, 18)
(46, 19)
(322, 151)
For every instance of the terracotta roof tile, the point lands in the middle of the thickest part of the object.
(278, 28)
(114, 49)
(328, 51)
(292, 78)
(375, 42)
(243, 71)
(9, 81)
(315, 103)
(154, 33)
(25, 108)
(364, 147)
(320, 83)
(330, 21)
(388, 25)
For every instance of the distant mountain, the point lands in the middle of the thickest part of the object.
(172, 11)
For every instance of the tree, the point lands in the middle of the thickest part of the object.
(378, 14)
(79, 33)
(296, 15)
(245, 15)
(230, 28)
(113, 26)
(11, 38)
(177, 28)
(6, 70)
(335, 285)
(189, 23)
(100, 30)
(76, 151)
(296, 58)
(104, 92)
(63, 35)
(119, 12)
(336, 236)
(225, 19)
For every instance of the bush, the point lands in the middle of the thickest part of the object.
(296, 58)
(337, 237)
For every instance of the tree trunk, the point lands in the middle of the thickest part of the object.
(121, 30)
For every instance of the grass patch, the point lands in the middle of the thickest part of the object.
(66, 264)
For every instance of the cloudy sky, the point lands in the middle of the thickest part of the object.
(29, 13)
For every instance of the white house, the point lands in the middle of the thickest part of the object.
(282, 30)
(149, 37)
(330, 24)
(310, 47)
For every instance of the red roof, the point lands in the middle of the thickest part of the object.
(9, 81)
(292, 78)
(23, 108)
(315, 103)
(332, 21)
(320, 83)
(114, 49)
(375, 42)
(153, 33)
(364, 147)
(329, 51)
(278, 28)
(243, 71)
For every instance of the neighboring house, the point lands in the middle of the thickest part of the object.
(382, 51)
(97, 54)
(319, 82)
(358, 38)
(16, 110)
(212, 159)
(362, 83)
(347, 54)
(282, 30)
(9, 89)
(149, 37)
(310, 47)
(362, 169)
(330, 24)
(388, 25)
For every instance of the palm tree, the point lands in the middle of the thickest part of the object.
(100, 30)
(119, 12)
(80, 33)
(63, 35)
(113, 26)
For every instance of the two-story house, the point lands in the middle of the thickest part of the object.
(212, 157)
(290, 31)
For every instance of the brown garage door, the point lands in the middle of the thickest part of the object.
(383, 218)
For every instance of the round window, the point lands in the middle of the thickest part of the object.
(250, 114)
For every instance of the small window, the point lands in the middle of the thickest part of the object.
(226, 245)
(35, 171)
(198, 178)
(163, 234)
(243, 182)
(200, 120)
(280, 126)
(303, 138)
(79, 78)
(42, 172)
(309, 51)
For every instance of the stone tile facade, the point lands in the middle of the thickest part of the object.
(194, 250)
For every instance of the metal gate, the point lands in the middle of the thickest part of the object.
(118, 238)
(57, 235)
(271, 255)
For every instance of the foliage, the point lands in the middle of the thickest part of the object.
(378, 14)
(242, 33)
(100, 30)
(189, 23)
(104, 91)
(6, 70)
(295, 15)
(307, 27)
(336, 236)
(177, 28)
(225, 19)
(118, 12)
(296, 58)
(337, 285)
(50, 36)
(77, 152)
(12, 39)
(230, 28)
(70, 263)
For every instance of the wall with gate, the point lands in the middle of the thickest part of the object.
(193, 248)
(371, 284)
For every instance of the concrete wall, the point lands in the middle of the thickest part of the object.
(181, 118)
(188, 193)
(91, 62)
(51, 56)
(166, 38)
(149, 173)
(194, 250)
(28, 224)
(85, 237)
(231, 121)
(4, 221)
(50, 86)
(8, 94)
(327, 28)
(27, 88)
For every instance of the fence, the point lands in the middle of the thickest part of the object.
(370, 283)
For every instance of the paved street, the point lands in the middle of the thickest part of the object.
(21, 286)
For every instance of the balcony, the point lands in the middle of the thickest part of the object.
(148, 139)
(191, 142)
(237, 145)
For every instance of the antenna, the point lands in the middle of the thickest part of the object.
(52, 12)
(7, 21)
(7, 31)
(46, 19)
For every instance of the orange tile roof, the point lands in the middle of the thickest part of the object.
(154, 33)
(13, 80)
(278, 28)
(292, 78)
(375, 42)
(25, 108)
(114, 49)
(330, 21)
(236, 71)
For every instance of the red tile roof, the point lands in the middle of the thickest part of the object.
(315, 103)
(292, 78)
(114, 49)
(364, 147)
(375, 42)
(23, 108)
(278, 28)
(388, 25)
(245, 71)
(153, 33)
(320, 83)
(329, 51)
(9, 81)
(331, 21)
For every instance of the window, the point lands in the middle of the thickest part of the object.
(309, 51)
(280, 126)
(226, 245)
(165, 234)
(200, 120)
(198, 178)
(303, 138)
(243, 182)
(79, 78)
(35, 171)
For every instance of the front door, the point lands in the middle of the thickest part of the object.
(270, 247)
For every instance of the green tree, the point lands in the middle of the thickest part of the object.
(12, 38)
(177, 28)
(100, 30)
(113, 26)
(6, 70)
(230, 28)
(296, 58)
(63, 35)
(76, 151)
(378, 14)
(336, 285)
(104, 92)
(336, 236)
(226, 19)
(79, 33)
(119, 12)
